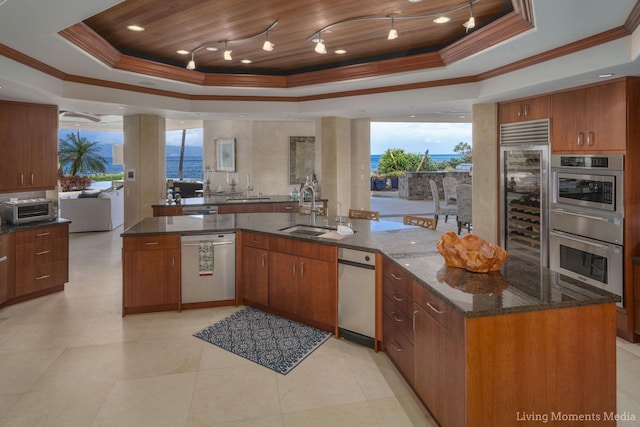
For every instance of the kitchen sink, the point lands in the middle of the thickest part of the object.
(247, 199)
(307, 230)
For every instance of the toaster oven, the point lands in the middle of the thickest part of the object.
(27, 210)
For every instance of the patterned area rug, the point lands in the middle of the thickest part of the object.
(271, 341)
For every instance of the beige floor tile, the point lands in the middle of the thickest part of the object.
(164, 356)
(148, 402)
(108, 330)
(213, 357)
(87, 365)
(19, 371)
(233, 394)
(629, 407)
(7, 402)
(269, 421)
(42, 335)
(402, 411)
(321, 380)
(353, 415)
(69, 406)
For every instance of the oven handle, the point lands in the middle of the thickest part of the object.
(569, 237)
(597, 218)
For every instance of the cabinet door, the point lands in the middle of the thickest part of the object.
(317, 287)
(283, 282)
(439, 370)
(255, 275)
(42, 142)
(4, 267)
(151, 277)
(167, 210)
(568, 121)
(606, 117)
(527, 109)
(12, 128)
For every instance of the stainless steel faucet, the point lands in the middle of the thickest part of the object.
(309, 186)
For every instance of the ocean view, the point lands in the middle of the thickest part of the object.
(192, 165)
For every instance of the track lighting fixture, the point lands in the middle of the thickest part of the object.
(471, 23)
(393, 34)
(320, 47)
(211, 46)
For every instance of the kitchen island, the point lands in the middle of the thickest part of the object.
(228, 203)
(505, 348)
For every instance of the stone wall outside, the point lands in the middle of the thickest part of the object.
(415, 185)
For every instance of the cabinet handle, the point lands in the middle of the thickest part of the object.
(590, 138)
(396, 298)
(262, 260)
(302, 269)
(42, 234)
(21, 179)
(396, 277)
(580, 136)
(150, 243)
(394, 317)
(3, 259)
(519, 110)
(288, 208)
(255, 241)
(31, 179)
(526, 110)
(397, 347)
(173, 261)
(433, 308)
(414, 319)
(294, 267)
(43, 277)
(42, 253)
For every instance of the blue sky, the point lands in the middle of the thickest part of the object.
(438, 138)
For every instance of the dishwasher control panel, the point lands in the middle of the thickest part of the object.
(356, 256)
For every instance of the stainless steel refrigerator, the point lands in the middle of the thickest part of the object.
(524, 160)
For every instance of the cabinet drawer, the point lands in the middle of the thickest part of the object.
(439, 310)
(400, 299)
(314, 251)
(396, 275)
(44, 251)
(150, 243)
(286, 207)
(167, 210)
(255, 240)
(41, 276)
(398, 348)
(42, 233)
(399, 317)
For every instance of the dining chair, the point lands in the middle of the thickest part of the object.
(464, 206)
(449, 184)
(419, 221)
(440, 210)
(363, 214)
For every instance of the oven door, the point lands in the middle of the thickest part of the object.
(596, 263)
(600, 192)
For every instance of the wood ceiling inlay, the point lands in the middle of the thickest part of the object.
(171, 25)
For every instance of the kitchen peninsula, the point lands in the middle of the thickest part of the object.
(227, 204)
(478, 349)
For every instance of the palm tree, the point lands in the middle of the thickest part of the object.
(77, 154)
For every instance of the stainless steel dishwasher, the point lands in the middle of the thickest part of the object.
(357, 296)
(206, 281)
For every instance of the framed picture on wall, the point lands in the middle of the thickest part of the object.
(301, 158)
(226, 154)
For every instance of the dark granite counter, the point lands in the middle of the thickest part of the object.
(517, 287)
(232, 198)
(10, 228)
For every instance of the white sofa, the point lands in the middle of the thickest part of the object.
(92, 210)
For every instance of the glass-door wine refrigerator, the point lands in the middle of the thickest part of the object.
(524, 189)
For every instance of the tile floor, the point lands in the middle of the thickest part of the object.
(70, 359)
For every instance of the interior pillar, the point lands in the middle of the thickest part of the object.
(144, 165)
(335, 153)
(486, 169)
(361, 164)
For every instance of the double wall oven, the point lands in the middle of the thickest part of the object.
(586, 235)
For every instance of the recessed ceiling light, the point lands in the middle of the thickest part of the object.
(340, 51)
(605, 75)
(212, 49)
(246, 61)
(442, 19)
(415, 1)
(2, 2)
(135, 27)
(413, 116)
(183, 52)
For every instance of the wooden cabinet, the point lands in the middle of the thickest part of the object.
(303, 281)
(290, 207)
(151, 273)
(439, 357)
(41, 260)
(525, 109)
(168, 210)
(29, 142)
(254, 278)
(592, 119)
(6, 257)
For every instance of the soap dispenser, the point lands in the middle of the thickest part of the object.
(295, 194)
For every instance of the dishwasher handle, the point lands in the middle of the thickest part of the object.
(356, 264)
(226, 242)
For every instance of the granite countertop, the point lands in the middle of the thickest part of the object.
(232, 198)
(517, 287)
(10, 228)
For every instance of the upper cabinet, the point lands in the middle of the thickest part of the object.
(29, 144)
(590, 119)
(525, 109)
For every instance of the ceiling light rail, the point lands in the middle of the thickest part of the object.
(212, 45)
(393, 34)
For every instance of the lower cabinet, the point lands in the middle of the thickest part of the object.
(255, 275)
(5, 261)
(41, 260)
(150, 273)
(303, 281)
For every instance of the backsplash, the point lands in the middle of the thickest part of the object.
(22, 195)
